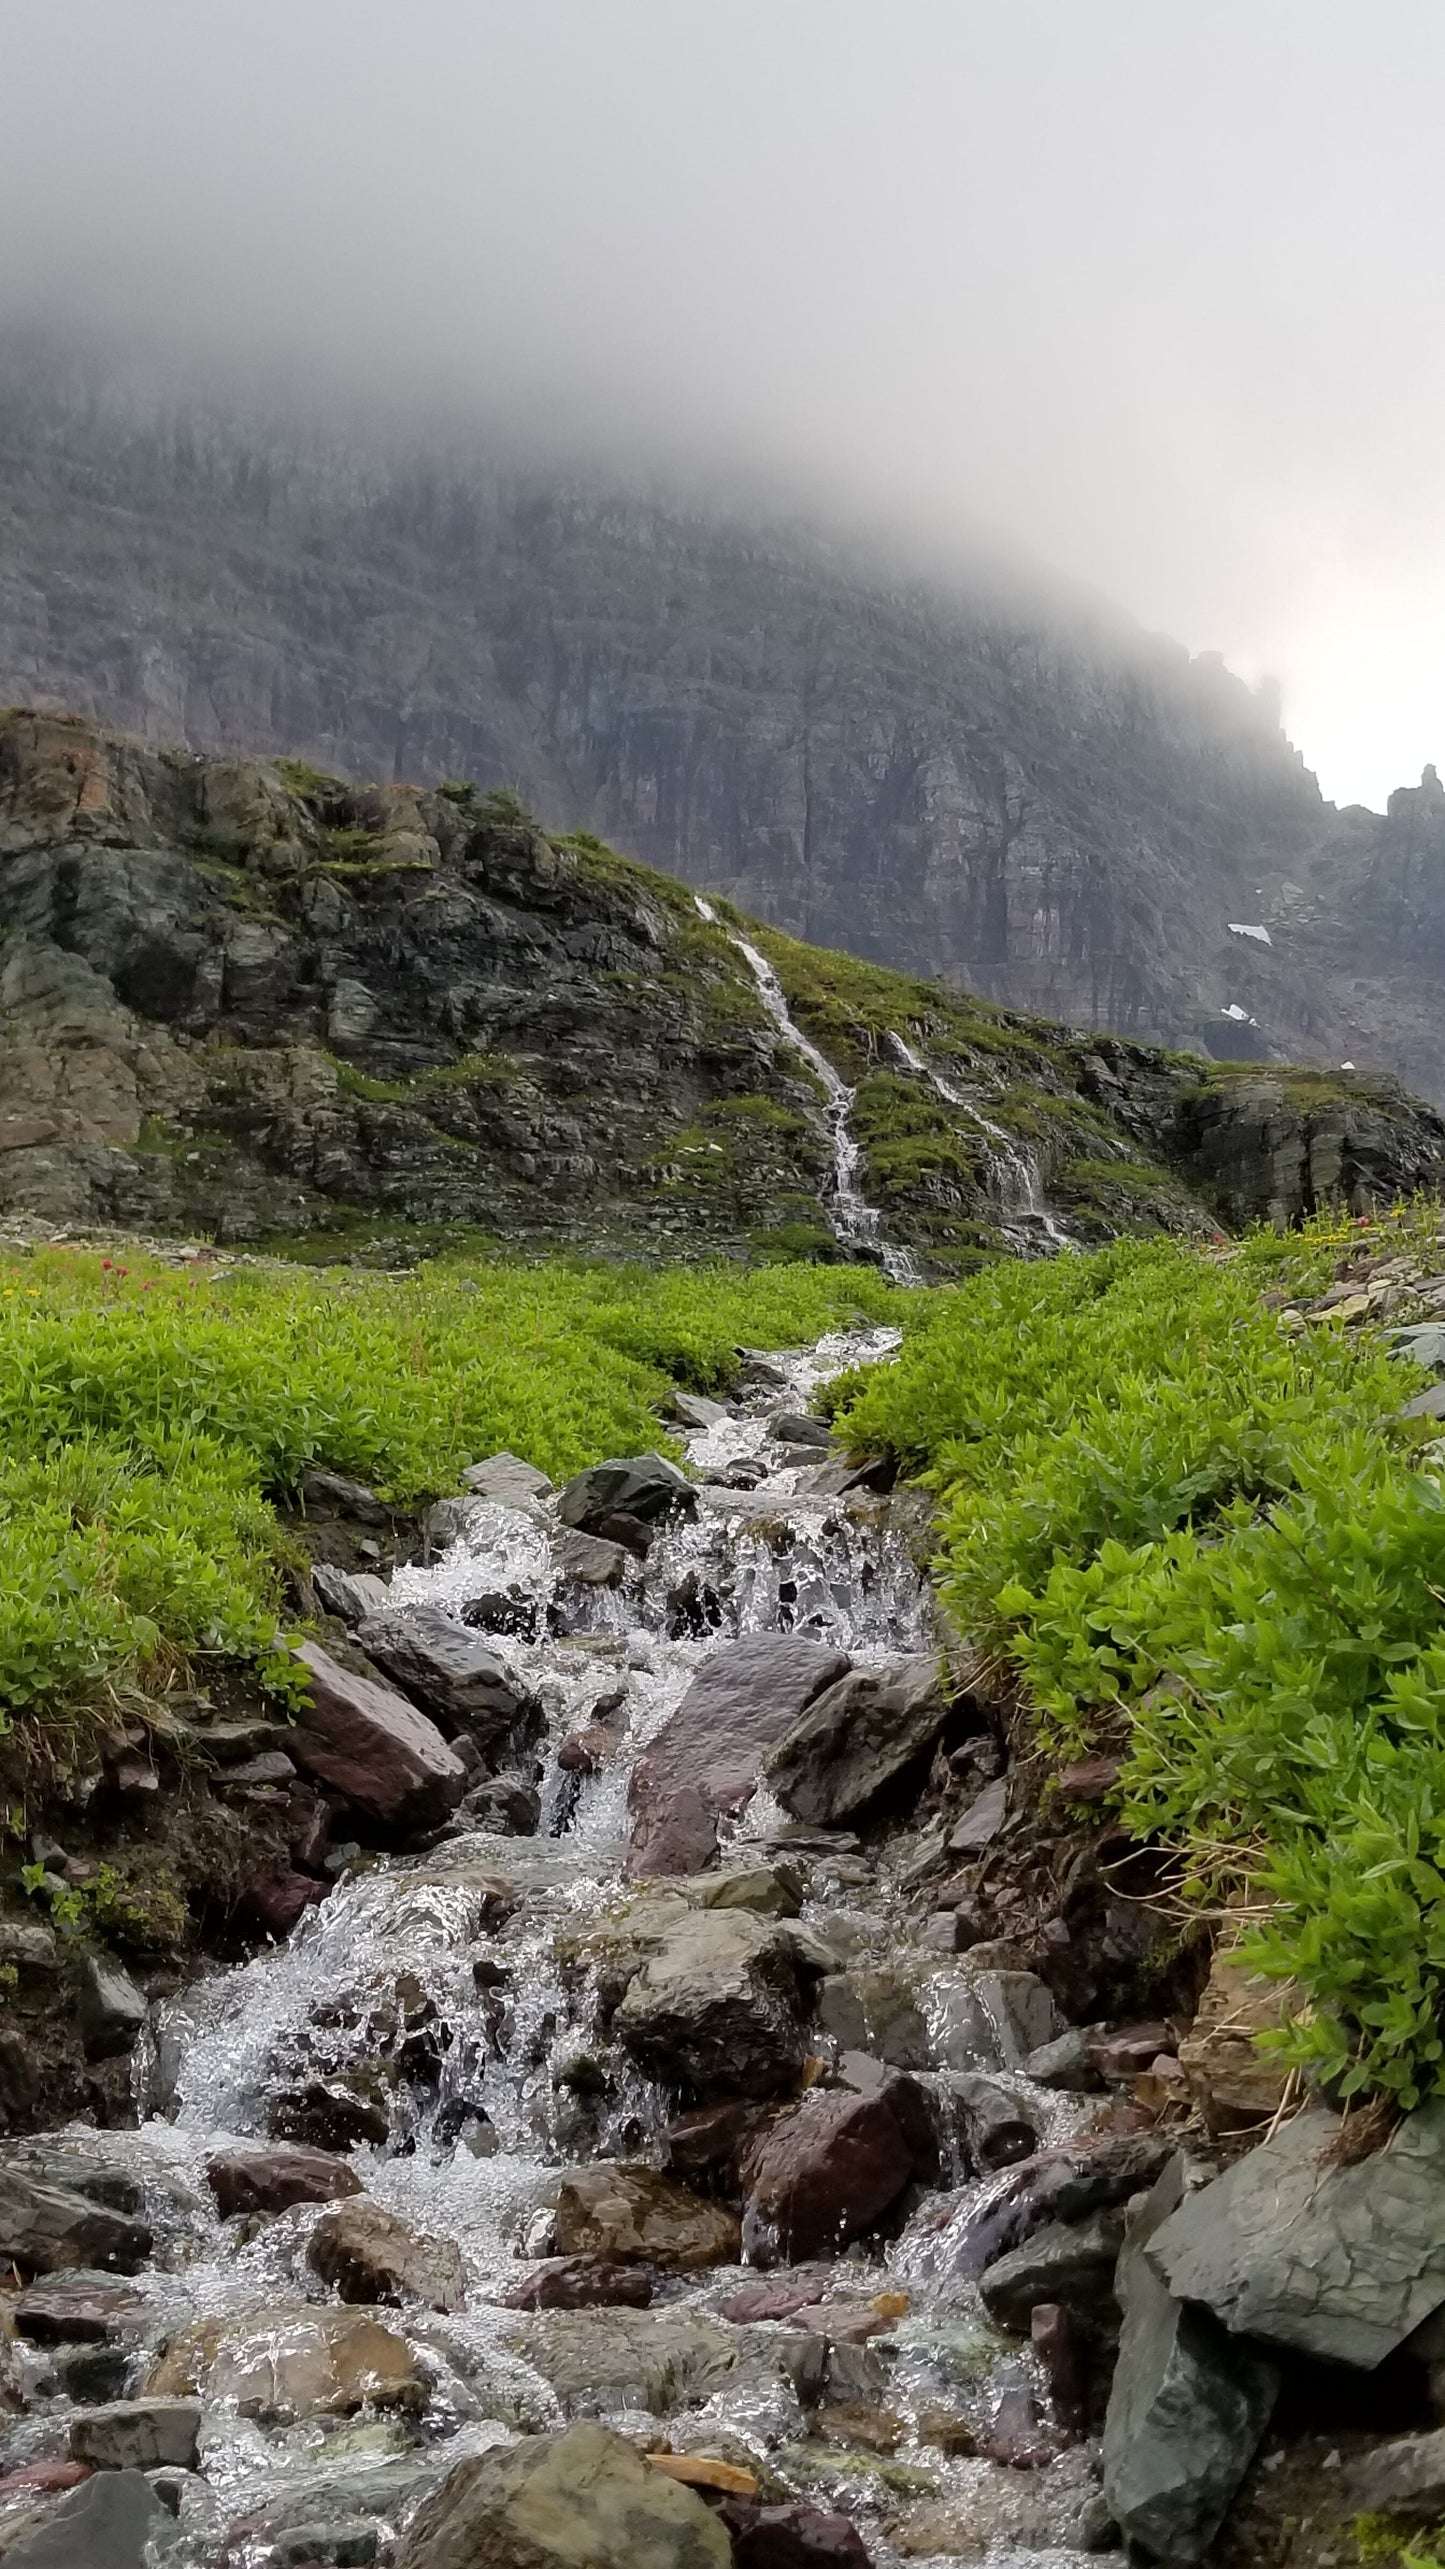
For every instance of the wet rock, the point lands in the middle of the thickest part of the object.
(948, 1931)
(991, 2018)
(707, 1759)
(268, 2181)
(876, 2013)
(1187, 2407)
(822, 2175)
(43, 2479)
(643, 1488)
(997, 2131)
(1071, 2263)
(1231, 2080)
(1061, 2348)
(1127, 2049)
(1066, 2063)
(279, 1897)
(44, 2227)
(506, 1481)
(290, 2363)
(584, 1751)
(350, 1595)
(328, 2115)
(28, 1949)
(138, 2435)
(92, 2376)
(368, 2254)
(588, 1557)
(581, 2500)
(77, 2310)
(660, 2360)
(373, 1747)
(707, 2142)
(854, 1739)
(462, 1682)
(1093, 2528)
(769, 1890)
(111, 2519)
(1337, 2261)
(691, 1410)
(1093, 2174)
(778, 2301)
(1404, 2478)
(631, 2213)
(791, 2536)
(982, 1821)
(112, 2010)
(717, 2006)
(580, 2283)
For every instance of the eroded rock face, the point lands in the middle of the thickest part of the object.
(581, 2500)
(708, 1758)
(373, 1746)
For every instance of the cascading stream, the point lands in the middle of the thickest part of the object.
(857, 1224)
(1013, 1174)
(480, 2040)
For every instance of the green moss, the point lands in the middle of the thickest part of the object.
(309, 784)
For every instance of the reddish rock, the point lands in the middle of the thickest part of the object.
(822, 2175)
(580, 2283)
(708, 1758)
(273, 2180)
(1090, 1779)
(843, 2323)
(1061, 2347)
(368, 2254)
(61, 2313)
(43, 2479)
(370, 1745)
(770, 2301)
(707, 2141)
(585, 1750)
(1017, 2435)
(277, 1899)
(1127, 2049)
(791, 2537)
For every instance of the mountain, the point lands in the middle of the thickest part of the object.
(253, 1001)
(1012, 789)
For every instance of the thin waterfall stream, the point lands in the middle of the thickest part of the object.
(1013, 1174)
(453, 2011)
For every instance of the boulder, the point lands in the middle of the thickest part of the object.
(1067, 2262)
(1404, 2478)
(78, 2310)
(291, 2362)
(717, 2006)
(373, 1747)
(1187, 2407)
(791, 2536)
(822, 2175)
(982, 1821)
(876, 2013)
(598, 1564)
(580, 2500)
(691, 1410)
(1293, 2247)
(770, 1890)
(1231, 2080)
(507, 1481)
(328, 2115)
(112, 2010)
(460, 1680)
(331, 1494)
(1067, 2063)
(661, 2360)
(112, 2519)
(996, 2130)
(505, 1805)
(580, 2283)
(279, 1896)
(856, 1738)
(138, 2435)
(625, 2214)
(44, 2227)
(350, 1595)
(707, 1759)
(627, 1500)
(1092, 2174)
(989, 2019)
(368, 2254)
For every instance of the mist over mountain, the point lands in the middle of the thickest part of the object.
(996, 780)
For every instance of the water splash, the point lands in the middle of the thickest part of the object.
(1013, 1174)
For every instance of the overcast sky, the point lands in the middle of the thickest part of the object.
(1149, 287)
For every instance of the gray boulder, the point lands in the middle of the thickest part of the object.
(507, 1482)
(691, 1410)
(708, 1757)
(1424, 1344)
(991, 2019)
(350, 1595)
(855, 1738)
(459, 1679)
(598, 1564)
(1068, 2262)
(1292, 2247)
(109, 2522)
(372, 1746)
(138, 2435)
(1405, 2477)
(641, 1491)
(44, 2227)
(717, 2007)
(581, 2500)
(112, 2010)
(1187, 2408)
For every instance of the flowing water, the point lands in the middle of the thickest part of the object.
(1013, 1173)
(486, 2037)
(857, 1224)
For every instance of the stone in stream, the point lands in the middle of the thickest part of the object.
(373, 1747)
(770, 1890)
(1068, 2262)
(462, 1682)
(690, 1409)
(717, 2007)
(857, 1738)
(44, 2227)
(138, 2435)
(631, 2213)
(289, 2362)
(1067, 2063)
(507, 1481)
(112, 2010)
(822, 2175)
(350, 1595)
(627, 1500)
(597, 1563)
(1187, 2407)
(580, 2283)
(581, 2500)
(77, 2309)
(791, 2536)
(707, 1759)
(1065, 2183)
(328, 2114)
(368, 2254)
(1291, 2246)
(662, 2360)
(109, 2522)
(996, 2130)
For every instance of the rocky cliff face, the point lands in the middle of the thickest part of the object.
(249, 1000)
(1030, 798)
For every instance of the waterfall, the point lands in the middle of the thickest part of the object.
(857, 1224)
(1013, 1173)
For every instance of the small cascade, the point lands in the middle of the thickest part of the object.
(1013, 1174)
(857, 1224)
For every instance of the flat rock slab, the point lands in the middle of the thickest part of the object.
(507, 1481)
(290, 2363)
(273, 2180)
(856, 1738)
(708, 1758)
(138, 2435)
(373, 1747)
(581, 2500)
(78, 2310)
(1339, 2262)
